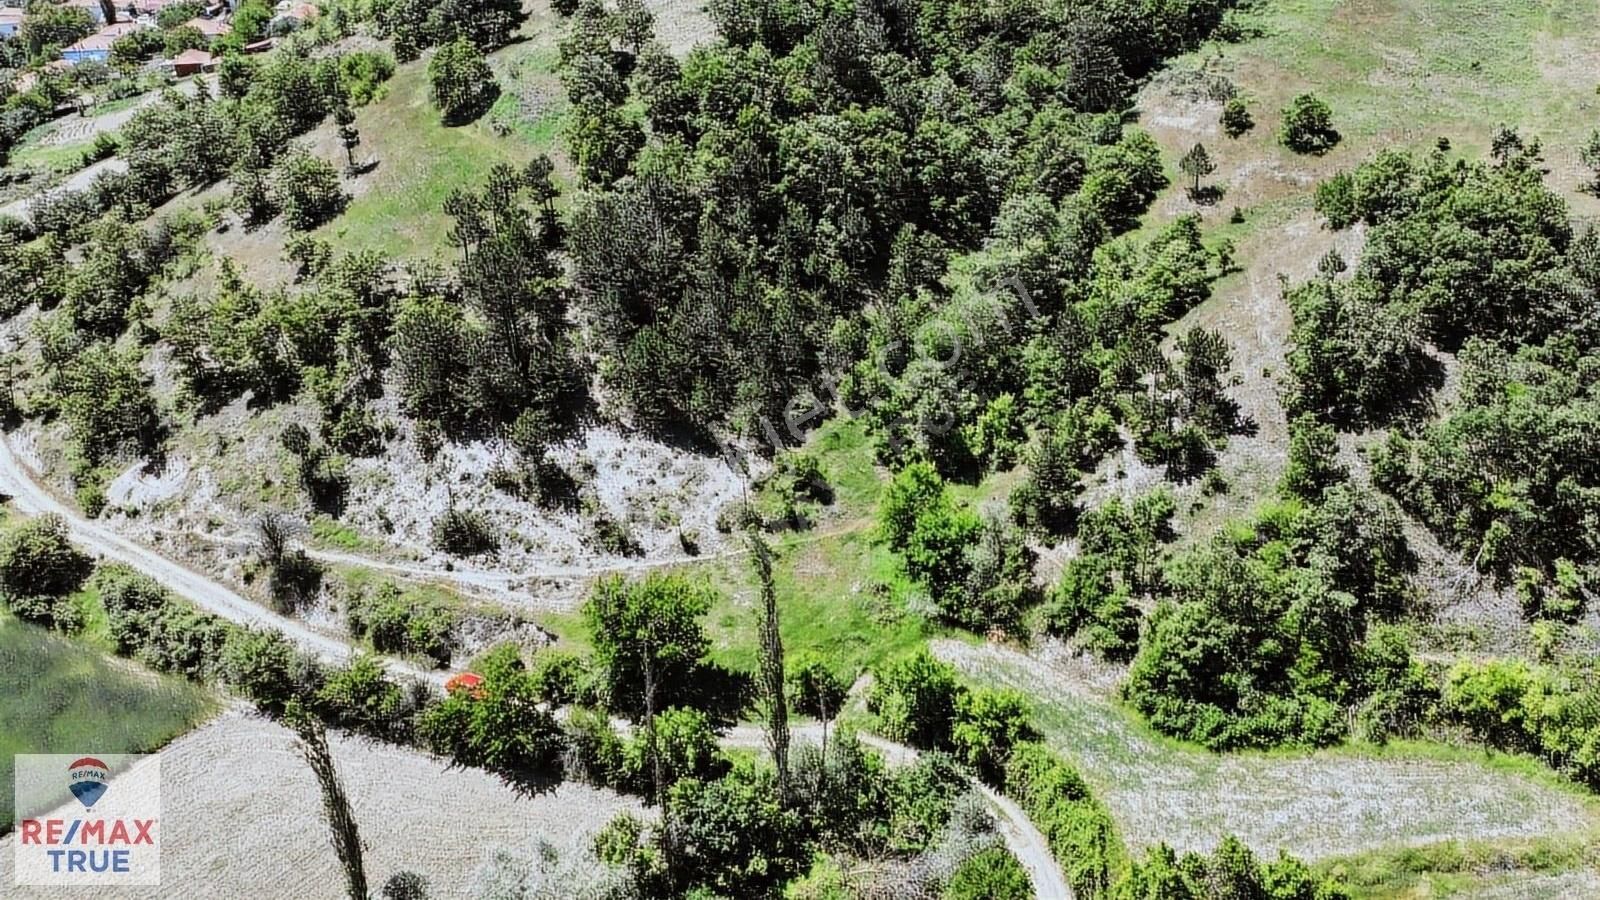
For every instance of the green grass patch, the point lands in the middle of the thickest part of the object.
(61, 159)
(844, 451)
(1415, 69)
(1456, 868)
(328, 532)
(95, 625)
(58, 695)
(842, 598)
(400, 211)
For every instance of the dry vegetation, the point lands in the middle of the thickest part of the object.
(1313, 805)
(241, 815)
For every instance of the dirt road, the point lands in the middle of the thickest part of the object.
(510, 586)
(31, 497)
(1023, 839)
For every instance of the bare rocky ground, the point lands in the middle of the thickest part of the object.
(242, 817)
(1313, 805)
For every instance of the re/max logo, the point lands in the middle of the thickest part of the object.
(55, 832)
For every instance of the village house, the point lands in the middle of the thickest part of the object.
(213, 29)
(192, 62)
(289, 15)
(97, 47)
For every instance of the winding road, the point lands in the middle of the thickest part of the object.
(17, 481)
(29, 496)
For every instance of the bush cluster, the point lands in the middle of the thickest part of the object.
(978, 571)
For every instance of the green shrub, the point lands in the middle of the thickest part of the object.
(502, 727)
(978, 572)
(1313, 465)
(914, 699)
(1045, 502)
(362, 74)
(1308, 126)
(921, 797)
(989, 874)
(462, 532)
(561, 678)
(686, 746)
(39, 563)
(157, 629)
(1087, 604)
(815, 689)
(1511, 704)
(91, 498)
(397, 622)
(264, 666)
(594, 752)
(1082, 836)
(989, 724)
(998, 434)
(1224, 659)
(1236, 118)
(361, 697)
(733, 838)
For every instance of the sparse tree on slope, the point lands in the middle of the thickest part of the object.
(463, 84)
(1196, 164)
(346, 837)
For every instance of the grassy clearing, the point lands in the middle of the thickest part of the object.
(60, 696)
(532, 104)
(58, 159)
(1417, 68)
(1312, 804)
(843, 597)
(1395, 74)
(399, 210)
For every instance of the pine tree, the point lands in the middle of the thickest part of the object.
(1196, 164)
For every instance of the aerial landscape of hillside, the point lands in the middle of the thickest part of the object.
(810, 449)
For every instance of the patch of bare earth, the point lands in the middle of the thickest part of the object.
(1314, 805)
(242, 817)
(681, 24)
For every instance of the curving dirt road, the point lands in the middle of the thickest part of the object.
(31, 497)
(510, 586)
(1021, 837)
